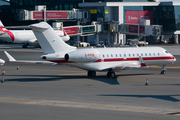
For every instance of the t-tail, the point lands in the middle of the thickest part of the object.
(49, 41)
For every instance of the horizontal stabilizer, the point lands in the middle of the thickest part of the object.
(9, 56)
(11, 59)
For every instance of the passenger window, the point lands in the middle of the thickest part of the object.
(103, 56)
(158, 54)
(145, 54)
(154, 54)
(137, 54)
(149, 54)
(141, 54)
(119, 55)
(129, 55)
(133, 54)
(116, 55)
(111, 55)
(107, 55)
(124, 55)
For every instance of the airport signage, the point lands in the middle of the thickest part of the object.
(133, 17)
(93, 11)
(50, 15)
(71, 30)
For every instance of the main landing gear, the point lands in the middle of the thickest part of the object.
(25, 46)
(91, 73)
(110, 73)
(163, 70)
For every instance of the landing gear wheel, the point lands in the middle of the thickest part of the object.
(111, 74)
(163, 72)
(91, 73)
(24, 46)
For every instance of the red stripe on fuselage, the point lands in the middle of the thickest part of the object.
(133, 59)
(118, 59)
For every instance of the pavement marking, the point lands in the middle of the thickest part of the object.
(88, 105)
(45, 69)
(159, 76)
(73, 74)
(171, 67)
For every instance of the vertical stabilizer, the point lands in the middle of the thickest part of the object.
(49, 41)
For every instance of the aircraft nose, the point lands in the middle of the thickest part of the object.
(174, 59)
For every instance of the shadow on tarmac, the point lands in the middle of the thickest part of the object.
(161, 97)
(41, 78)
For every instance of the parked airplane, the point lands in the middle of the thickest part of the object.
(25, 36)
(96, 59)
(2, 62)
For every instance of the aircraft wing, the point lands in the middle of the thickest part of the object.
(134, 64)
(11, 59)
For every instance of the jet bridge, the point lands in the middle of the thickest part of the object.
(85, 30)
(81, 16)
(40, 13)
(96, 29)
(142, 29)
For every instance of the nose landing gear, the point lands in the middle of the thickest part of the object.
(163, 70)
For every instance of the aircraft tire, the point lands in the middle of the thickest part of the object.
(163, 72)
(91, 73)
(111, 74)
(108, 75)
(24, 46)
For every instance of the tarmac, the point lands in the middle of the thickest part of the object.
(43, 91)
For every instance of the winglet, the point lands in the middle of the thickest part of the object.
(9, 56)
(143, 64)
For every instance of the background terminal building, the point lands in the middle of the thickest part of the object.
(105, 12)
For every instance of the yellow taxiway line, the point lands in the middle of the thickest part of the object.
(170, 67)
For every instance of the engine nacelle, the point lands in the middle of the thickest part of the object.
(55, 56)
(82, 55)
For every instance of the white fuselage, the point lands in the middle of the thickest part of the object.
(104, 58)
(25, 36)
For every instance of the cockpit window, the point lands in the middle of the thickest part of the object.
(166, 52)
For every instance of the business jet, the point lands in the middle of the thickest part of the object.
(94, 60)
(25, 36)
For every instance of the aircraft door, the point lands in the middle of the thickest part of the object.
(101, 56)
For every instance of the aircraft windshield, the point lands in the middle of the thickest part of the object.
(166, 52)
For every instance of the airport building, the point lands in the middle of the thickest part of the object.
(159, 13)
(108, 13)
